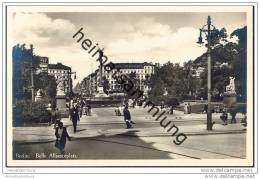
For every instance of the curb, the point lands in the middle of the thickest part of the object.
(132, 135)
(187, 134)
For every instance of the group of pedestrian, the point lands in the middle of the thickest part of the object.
(187, 108)
(77, 108)
(233, 112)
(84, 108)
(60, 131)
(167, 109)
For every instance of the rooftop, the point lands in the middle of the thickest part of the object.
(132, 65)
(59, 66)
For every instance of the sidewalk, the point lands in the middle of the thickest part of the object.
(177, 116)
(46, 134)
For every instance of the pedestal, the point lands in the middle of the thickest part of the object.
(230, 99)
(61, 105)
(38, 98)
(100, 92)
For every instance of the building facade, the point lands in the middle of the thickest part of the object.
(139, 73)
(62, 74)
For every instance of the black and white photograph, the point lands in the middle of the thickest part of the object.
(129, 85)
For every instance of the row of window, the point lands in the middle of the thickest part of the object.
(119, 87)
(136, 71)
(137, 76)
(58, 71)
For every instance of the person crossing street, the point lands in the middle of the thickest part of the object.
(74, 116)
(127, 118)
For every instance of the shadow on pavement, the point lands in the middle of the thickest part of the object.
(119, 146)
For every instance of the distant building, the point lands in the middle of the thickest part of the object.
(140, 71)
(62, 73)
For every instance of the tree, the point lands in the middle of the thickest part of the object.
(47, 84)
(228, 59)
(240, 66)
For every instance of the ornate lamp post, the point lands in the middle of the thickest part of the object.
(208, 29)
(32, 73)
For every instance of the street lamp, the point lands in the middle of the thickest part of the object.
(207, 29)
(32, 73)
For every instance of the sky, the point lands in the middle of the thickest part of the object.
(125, 36)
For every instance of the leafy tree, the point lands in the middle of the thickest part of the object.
(228, 59)
(240, 65)
(47, 84)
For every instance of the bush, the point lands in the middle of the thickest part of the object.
(26, 111)
(172, 102)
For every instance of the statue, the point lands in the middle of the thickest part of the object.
(101, 54)
(38, 96)
(165, 93)
(231, 87)
(100, 88)
(60, 87)
(230, 98)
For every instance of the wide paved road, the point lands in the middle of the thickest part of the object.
(145, 147)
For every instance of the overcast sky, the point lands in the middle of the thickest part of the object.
(126, 37)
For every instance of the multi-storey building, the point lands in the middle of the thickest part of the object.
(62, 74)
(139, 72)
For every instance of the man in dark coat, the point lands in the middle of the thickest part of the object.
(57, 116)
(61, 137)
(127, 117)
(224, 116)
(74, 116)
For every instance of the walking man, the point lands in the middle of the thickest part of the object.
(53, 116)
(61, 137)
(127, 117)
(74, 116)
(224, 116)
(56, 117)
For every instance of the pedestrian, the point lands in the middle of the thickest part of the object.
(57, 117)
(244, 120)
(171, 110)
(53, 116)
(189, 108)
(224, 116)
(120, 111)
(205, 110)
(85, 110)
(127, 117)
(117, 111)
(61, 137)
(81, 104)
(74, 116)
(233, 114)
(89, 109)
(186, 108)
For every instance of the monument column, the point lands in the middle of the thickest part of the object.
(61, 98)
(100, 89)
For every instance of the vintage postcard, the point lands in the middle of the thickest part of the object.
(129, 85)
